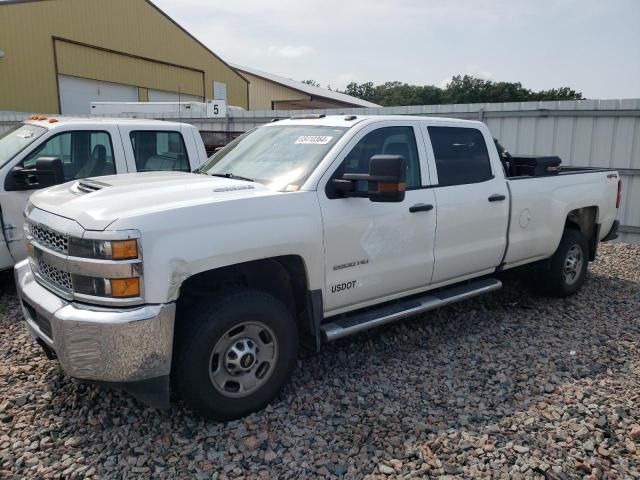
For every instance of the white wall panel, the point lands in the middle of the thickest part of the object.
(76, 94)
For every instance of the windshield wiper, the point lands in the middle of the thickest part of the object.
(231, 176)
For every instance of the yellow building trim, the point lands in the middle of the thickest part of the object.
(143, 94)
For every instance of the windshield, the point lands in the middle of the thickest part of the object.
(280, 157)
(16, 140)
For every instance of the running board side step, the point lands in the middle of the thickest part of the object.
(359, 322)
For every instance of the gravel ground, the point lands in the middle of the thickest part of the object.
(508, 385)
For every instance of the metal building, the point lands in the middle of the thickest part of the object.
(273, 92)
(56, 56)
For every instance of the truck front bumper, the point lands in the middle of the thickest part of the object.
(131, 346)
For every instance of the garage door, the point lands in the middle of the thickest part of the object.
(164, 96)
(76, 94)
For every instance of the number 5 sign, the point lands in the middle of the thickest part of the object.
(216, 108)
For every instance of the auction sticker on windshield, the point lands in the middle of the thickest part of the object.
(314, 139)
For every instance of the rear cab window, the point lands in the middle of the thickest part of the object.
(159, 150)
(461, 155)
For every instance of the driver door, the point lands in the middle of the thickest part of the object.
(378, 251)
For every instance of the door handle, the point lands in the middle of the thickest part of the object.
(497, 197)
(420, 207)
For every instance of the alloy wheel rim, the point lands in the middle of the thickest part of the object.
(573, 264)
(243, 359)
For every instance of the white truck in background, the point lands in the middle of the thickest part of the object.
(208, 109)
(42, 152)
(300, 232)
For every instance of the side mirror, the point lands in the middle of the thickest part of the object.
(21, 178)
(386, 180)
(49, 171)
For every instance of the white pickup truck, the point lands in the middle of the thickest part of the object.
(85, 147)
(300, 232)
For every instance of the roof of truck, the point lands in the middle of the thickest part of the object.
(56, 121)
(350, 120)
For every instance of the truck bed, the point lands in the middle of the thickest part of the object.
(539, 208)
(564, 170)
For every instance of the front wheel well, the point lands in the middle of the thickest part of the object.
(283, 277)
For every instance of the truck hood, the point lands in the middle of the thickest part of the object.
(95, 203)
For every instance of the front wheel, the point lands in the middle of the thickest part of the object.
(568, 270)
(235, 353)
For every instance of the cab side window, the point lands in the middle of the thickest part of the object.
(83, 153)
(385, 141)
(461, 155)
(159, 150)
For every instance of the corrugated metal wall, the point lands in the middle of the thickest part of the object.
(263, 92)
(586, 133)
(598, 133)
(87, 62)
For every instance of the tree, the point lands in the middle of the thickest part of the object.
(313, 83)
(461, 89)
(364, 91)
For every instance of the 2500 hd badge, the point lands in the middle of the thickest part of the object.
(339, 287)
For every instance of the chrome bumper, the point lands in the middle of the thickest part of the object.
(98, 343)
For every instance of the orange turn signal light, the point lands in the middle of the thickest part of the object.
(53, 120)
(34, 117)
(41, 117)
(125, 287)
(124, 249)
(388, 187)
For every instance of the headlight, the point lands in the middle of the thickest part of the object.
(103, 249)
(107, 287)
(117, 278)
(106, 269)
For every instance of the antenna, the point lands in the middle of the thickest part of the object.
(180, 115)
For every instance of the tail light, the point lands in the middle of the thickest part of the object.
(619, 193)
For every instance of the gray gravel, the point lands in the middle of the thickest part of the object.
(509, 385)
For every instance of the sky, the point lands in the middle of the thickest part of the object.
(592, 46)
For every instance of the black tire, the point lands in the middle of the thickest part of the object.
(215, 320)
(556, 281)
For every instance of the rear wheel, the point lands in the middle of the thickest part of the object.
(568, 269)
(235, 353)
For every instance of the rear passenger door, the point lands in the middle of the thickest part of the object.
(472, 199)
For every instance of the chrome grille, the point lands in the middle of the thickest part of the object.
(56, 277)
(49, 238)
